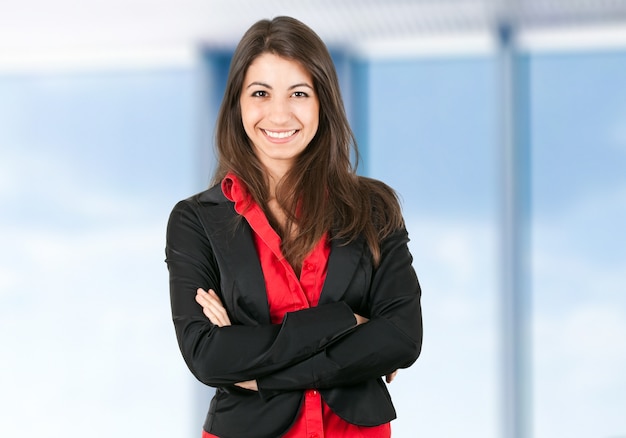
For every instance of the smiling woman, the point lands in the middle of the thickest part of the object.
(291, 282)
(279, 111)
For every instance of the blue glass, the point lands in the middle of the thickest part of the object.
(91, 163)
(578, 119)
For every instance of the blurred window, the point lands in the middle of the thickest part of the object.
(90, 165)
(578, 120)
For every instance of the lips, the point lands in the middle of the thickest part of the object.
(280, 134)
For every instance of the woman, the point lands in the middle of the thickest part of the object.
(291, 283)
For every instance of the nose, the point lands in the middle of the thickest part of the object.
(280, 111)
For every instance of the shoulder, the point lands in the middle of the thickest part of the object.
(378, 190)
(201, 205)
(383, 205)
(211, 196)
(380, 195)
(206, 198)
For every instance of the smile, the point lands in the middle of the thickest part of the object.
(282, 134)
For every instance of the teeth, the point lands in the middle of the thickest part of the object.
(283, 134)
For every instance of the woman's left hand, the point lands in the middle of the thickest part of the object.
(212, 307)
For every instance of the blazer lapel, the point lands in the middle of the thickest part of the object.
(233, 246)
(343, 261)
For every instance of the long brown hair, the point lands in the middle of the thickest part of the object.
(322, 191)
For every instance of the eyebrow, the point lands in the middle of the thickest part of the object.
(263, 84)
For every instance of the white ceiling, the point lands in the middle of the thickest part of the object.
(53, 29)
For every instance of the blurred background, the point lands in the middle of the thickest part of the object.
(502, 125)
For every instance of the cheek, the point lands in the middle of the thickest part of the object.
(248, 119)
(311, 117)
(315, 116)
(315, 121)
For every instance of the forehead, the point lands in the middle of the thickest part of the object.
(269, 66)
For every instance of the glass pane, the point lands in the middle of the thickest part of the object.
(90, 166)
(579, 244)
(431, 131)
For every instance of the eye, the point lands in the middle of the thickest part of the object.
(259, 93)
(300, 94)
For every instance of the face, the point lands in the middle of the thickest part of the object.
(279, 111)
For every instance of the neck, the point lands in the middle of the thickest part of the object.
(274, 178)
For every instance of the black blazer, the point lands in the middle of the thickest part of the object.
(210, 246)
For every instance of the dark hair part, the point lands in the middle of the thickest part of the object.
(322, 191)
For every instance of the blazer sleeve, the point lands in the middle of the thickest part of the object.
(390, 340)
(220, 356)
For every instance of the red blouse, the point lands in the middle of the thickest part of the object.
(288, 293)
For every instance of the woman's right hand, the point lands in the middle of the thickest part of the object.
(360, 319)
(213, 309)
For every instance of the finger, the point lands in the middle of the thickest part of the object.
(360, 319)
(219, 307)
(202, 297)
(389, 377)
(211, 298)
(219, 311)
(213, 317)
(204, 300)
(212, 308)
(217, 315)
(249, 384)
(212, 294)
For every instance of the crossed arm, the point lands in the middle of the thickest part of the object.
(321, 347)
(213, 309)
